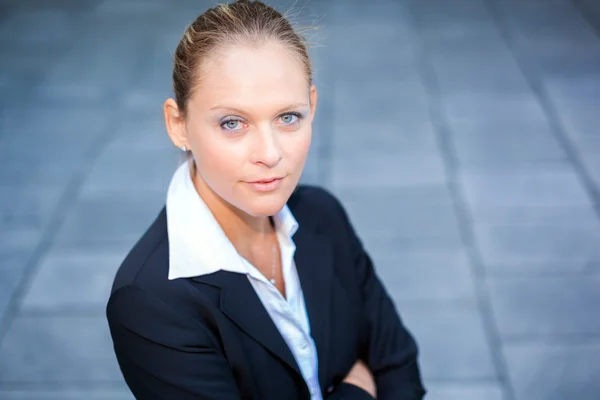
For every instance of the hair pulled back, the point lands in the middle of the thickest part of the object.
(241, 22)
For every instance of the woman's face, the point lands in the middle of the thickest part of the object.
(249, 121)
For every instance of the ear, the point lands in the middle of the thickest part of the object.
(175, 123)
(313, 101)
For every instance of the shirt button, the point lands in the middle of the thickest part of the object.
(330, 388)
(303, 344)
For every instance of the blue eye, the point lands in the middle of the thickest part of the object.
(290, 118)
(232, 124)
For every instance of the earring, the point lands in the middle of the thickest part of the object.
(183, 148)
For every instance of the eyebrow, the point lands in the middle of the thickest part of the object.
(237, 110)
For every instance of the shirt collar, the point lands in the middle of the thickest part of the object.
(197, 243)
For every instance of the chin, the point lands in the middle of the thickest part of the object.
(266, 204)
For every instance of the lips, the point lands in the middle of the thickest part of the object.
(266, 185)
(266, 180)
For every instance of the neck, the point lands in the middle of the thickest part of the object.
(242, 229)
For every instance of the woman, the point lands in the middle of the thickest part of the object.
(248, 285)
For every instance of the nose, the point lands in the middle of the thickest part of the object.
(266, 148)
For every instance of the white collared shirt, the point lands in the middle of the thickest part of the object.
(198, 246)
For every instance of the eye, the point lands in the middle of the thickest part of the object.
(290, 118)
(233, 124)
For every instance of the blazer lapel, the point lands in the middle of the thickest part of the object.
(242, 305)
(314, 262)
(239, 301)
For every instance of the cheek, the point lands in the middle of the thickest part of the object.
(217, 161)
(297, 148)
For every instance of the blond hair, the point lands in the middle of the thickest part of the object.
(243, 21)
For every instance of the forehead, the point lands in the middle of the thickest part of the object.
(252, 77)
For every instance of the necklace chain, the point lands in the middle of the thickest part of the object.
(273, 278)
(273, 265)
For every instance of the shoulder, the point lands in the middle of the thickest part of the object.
(146, 266)
(142, 278)
(317, 204)
(149, 244)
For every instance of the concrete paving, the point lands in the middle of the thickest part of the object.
(462, 136)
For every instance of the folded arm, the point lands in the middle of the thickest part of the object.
(390, 350)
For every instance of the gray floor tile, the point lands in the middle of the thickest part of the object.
(71, 91)
(146, 133)
(474, 38)
(57, 127)
(452, 341)
(28, 65)
(586, 146)
(463, 107)
(467, 128)
(539, 185)
(73, 5)
(352, 58)
(33, 204)
(387, 217)
(399, 138)
(569, 64)
(554, 36)
(592, 165)
(12, 269)
(544, 371)
(116, 219)
(573, 93)
(546, 306)
(474, 74)
(398, 219)
(156, 68)
(20, 235)
(384, 243)
(312, 170)
(63, 136)
(562, 59)
(531, 216)
(149, 101)
(464, 391)
(395, 99)
(52, 26)
(13, 89)
(422, 275)
(435, 194)
(68, 280)
(592, 8)
(538, 240)
(441, 15)
(406, 215)
(66, 394)
(122, 171)
(152, 7)
(371, 170)
(51, 171)
(58, 349)
(370, 12)
(578, 114)
(105, 59)
(508, 148)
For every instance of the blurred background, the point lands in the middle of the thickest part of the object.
(463, 137)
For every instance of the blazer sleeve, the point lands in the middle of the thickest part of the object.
(390, 350)
(165, 356)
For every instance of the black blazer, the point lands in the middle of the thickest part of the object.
(209, 337)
